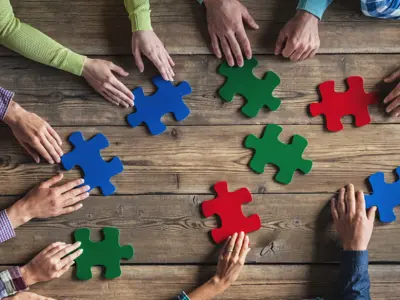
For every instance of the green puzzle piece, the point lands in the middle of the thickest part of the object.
(269, 150)
(106, 253)
(257, 92)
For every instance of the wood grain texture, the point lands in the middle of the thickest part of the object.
(255, 282)
(104, 28)
(296, 228)
(190, 159)
(65, 100)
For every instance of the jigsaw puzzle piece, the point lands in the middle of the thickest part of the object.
(257, 162)
(167, 99)
(106, 253)
(384, 196)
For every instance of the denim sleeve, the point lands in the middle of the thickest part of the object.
(315, 7)
(354, 283)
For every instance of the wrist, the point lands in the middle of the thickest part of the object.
(13, 114)
(19, 214)
(86, 66)
(305, 15)
(27, 275)
(217, 285)
(352, 247)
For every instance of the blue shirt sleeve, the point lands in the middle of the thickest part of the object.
(354, 283)
(315, 7)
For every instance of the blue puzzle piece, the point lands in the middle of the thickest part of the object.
(86, 155)
(167, 99)
(384, 196)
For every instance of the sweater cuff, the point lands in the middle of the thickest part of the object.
(141, 20)
(182, 296)
(315, 7)
(5, 99)
(355, 261)
(6, 230)
(74, 63)
(200, 1)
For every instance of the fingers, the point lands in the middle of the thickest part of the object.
(43, 151)
(231, 245)
(32, 152)
(280, 43)
(68, 248)
(138, 60)
(70, 185)
(160, 66)
(393, 94)
(227, 51)
(244, 42)
(118, 70)
(306, 54)
(108, 98)
(341, 207)
(215, 45)
(238, 246)
(234, 45)
(73, 208)
(395, 75)
(55, 146)
(249, 19)
(55, 135)
(371, 214)
(350, 200)
(225, 247)
(244, 251)
(52, 246)
(360, 203)
(164, 59)
(289, 49)
(334, 212)
(117, 92)
(297, 54)
(171, 61)
(75, 195)
(53, 251)
(52, 181)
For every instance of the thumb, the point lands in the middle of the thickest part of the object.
(249, 19)
(118, 70)
(395, 75)
(371, 213)
(280, 43)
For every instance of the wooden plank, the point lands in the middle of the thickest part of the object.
(255, 282)
(296, 228)
(104, 28)
(189, 159)
(64, 99)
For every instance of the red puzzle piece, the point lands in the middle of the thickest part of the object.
(337, 105)
(228, 205)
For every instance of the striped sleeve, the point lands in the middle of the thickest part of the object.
(5, 99)
(384, 9)
(182, 296)
(11, 282)
(6, 230)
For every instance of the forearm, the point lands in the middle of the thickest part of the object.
(207, 291)
(18, 214)
(139, 14)
(315, 7)
(11, 282)
(354, 283)
(35, 45)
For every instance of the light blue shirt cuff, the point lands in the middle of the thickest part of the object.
(315, 7)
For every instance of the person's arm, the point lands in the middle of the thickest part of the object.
(6, 229)
(145, 41)
(393, 99)
(11, 282)
(354, 226)
(33, 44)
(315, 7)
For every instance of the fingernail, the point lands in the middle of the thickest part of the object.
(86, 187)
(58, 160)
(51, 162)
(78, 244)
(61, 153)
(81, 181)
(86, 195)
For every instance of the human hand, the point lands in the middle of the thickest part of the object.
(34, 134)
(299, 39)
(99, 74)
(51, 263)
(28, 296)
(46, 201)
(394, 97)
(225, 26)
(148, 43)
(351, 220)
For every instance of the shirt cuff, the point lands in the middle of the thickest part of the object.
(315, 7)
(5, 99)
(200, 1)
(141, 20)
(11, 282)
(74, 63)
(6, 230)
(182, 296)
(355, 261)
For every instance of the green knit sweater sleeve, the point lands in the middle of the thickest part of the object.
(139, 14)
(33, 44)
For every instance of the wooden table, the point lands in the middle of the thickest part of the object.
(167, 177)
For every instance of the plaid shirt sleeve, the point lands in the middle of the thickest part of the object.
(11, 282)
(6, 230)
(5, 99)
(384, 9)
(182, 296)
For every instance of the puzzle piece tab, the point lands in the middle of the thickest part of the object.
(167, 99)
(86, 155)
(269, 150)
(385, 196)
(107, 253)
(335, 105)
(257, 92)
(228, 205)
